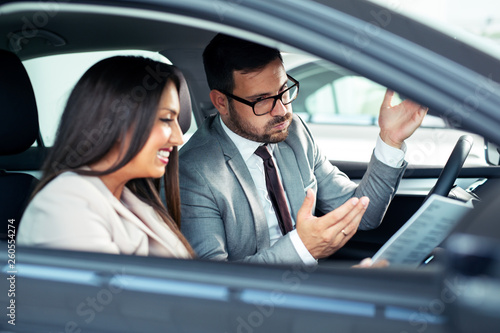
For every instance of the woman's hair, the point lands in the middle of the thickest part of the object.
(115, 97)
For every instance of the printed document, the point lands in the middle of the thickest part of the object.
(424, 231)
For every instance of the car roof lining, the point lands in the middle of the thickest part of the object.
(116, 28)
(177, 37)
(121, 26)
(115, 33)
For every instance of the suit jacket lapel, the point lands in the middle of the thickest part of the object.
(240, 170)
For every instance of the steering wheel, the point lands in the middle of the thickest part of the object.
(453, 166)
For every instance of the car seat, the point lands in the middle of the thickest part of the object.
(18, 130)
(185, 102)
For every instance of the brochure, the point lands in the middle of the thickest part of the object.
(424, 231)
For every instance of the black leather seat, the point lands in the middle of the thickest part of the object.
(18, 130)
(185, 102)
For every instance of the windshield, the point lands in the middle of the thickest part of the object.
(475, 22)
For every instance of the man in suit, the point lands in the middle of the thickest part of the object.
(227, 211)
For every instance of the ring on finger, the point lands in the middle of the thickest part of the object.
(344, 232)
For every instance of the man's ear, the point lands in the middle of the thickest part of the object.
(220, 102)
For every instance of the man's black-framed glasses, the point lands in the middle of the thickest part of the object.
(265, 105)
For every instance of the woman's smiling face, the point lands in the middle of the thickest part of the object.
(165, 135)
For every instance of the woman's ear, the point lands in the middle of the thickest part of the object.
(220, 102)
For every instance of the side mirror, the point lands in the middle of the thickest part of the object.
(492, 152)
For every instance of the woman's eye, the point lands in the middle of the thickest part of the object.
(166, 120)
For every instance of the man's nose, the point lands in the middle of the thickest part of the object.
(279, 109)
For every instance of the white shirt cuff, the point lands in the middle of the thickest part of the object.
(388, 155)
(301, 249)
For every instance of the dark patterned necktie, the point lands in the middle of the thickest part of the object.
(275, 190)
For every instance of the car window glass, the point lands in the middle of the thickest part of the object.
(53, 78)
(342, 107)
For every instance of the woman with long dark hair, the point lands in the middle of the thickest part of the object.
(100, 186)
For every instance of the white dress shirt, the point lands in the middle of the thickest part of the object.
(389, 155)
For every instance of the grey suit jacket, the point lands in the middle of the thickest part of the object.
(222, 216)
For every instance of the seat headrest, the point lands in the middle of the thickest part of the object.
(185, 102)
(18, 112)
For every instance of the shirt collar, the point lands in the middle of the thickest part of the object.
(245, 147)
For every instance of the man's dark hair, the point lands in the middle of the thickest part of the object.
(225, 54)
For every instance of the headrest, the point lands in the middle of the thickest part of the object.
(18, 113)
(185, 102)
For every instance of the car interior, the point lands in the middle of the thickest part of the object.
(63, 29)
(69, 33)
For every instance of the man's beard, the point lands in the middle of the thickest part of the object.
(250, 132)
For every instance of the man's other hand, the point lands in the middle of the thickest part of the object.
(322, 236)
(397, 123)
